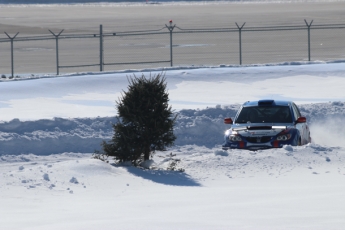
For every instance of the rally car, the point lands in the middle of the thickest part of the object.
(266, 124)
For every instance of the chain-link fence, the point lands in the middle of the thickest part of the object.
(170, 45)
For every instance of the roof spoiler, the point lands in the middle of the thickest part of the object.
(266, 102)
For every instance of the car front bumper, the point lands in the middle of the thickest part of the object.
(255, 146)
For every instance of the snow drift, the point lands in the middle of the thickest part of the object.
(193, 127)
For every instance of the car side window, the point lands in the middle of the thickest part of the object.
(296, 111)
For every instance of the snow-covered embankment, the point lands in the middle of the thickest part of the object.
(193, 127)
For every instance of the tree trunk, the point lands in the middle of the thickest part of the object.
(147, 153)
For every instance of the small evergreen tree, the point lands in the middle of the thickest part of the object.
(145, 121)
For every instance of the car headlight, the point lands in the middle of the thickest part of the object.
(235, 138)
(284, 137)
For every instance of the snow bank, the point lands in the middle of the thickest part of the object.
(59, 135)
(63, 171)
(193, 127)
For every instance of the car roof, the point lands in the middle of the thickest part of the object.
(267, 102)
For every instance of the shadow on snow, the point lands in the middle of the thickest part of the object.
(164, 177)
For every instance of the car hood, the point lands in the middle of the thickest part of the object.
(259, 129)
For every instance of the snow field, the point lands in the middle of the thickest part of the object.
(52, 125)
(294, 186)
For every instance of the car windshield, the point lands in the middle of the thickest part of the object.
(264, 114)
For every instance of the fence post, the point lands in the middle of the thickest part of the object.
(57, 49)
(308, 25)
(12, 64)
(101, 47)
(240, 39)
(171, 28)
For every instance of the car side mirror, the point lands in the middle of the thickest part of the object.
(228, 120)
(301, 120)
